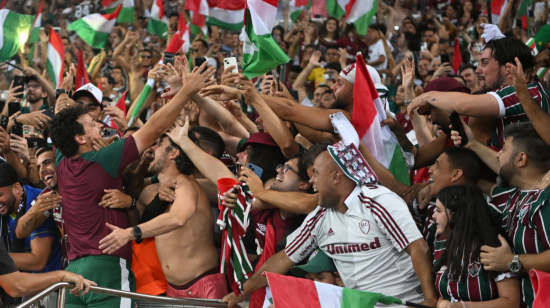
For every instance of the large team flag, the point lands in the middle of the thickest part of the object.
(82, 77)
(184, 30)
(94, 29)
(368, 112)
(260, 52)
(36, 25)
(298, 8)
(199, 9)
(14, 32)
(56, 58)
(228, 14)
(357, 12)
(497, 9)
(158, 23)
(291, 292)
(126, 14)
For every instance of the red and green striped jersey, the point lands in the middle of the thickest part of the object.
(82, 182)
(477, 287)
(511, 110)
(526, 220)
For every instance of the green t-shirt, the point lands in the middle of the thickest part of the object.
(25, 110)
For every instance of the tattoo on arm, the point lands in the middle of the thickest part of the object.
(433, 99)
(27, 223)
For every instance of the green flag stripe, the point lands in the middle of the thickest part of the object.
(334, 9)
(15, 28)
(362, 24)
(360, 299)
(398, 167)
(157, 28)
(94, 38)
(216, 22)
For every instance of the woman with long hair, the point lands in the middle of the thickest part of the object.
(463, 226)
(329, 32)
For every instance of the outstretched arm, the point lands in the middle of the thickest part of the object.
(464, 104)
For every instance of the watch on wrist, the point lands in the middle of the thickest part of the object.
(60, 91)
(137, 234)
(515, 266)
(15, 120)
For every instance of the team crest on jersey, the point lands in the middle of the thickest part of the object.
(523, 211)
(364, 225)
(474, 268)
(442, 269)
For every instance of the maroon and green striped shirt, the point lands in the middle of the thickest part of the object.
(82, 181)
(511, 110)
(477, 287)
(526, 220)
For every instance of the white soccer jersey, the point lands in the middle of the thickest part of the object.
(366, 243)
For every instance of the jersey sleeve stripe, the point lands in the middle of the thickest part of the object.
(304, 235)
(389, 224)
(392, 222)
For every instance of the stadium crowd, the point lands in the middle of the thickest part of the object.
(452, 211)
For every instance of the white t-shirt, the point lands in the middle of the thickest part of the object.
(375, 51)
(366, 243)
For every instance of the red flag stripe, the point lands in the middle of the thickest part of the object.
(57, 44)
(192, 5)
(161, 8)
(113, 15)
(364, 94)
(81, 74)
(293, 292)
(457, 59)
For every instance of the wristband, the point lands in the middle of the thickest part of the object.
(15, 120)
(155, 179)
(133, 206)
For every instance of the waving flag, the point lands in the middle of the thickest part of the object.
(183, 29)
(36, 25)
(126, 14)
(81, 73)
(94, 29)
(234, 223)
(56, 58)
(14, 32)
(260, 52)
(497, 9)
(457, 59)
(228, 14)
(368, 112)
(357, 12)
(297, 8)
(531, 44)
(158, 23)
(291, 292)
(198, 10)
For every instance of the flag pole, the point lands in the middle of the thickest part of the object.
(409, 304)
(489, 15)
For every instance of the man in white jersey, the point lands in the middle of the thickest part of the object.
(366, 229)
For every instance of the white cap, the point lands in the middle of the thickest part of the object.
(348, 73)
(92, 91)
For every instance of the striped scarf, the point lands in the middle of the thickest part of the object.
(234, 223)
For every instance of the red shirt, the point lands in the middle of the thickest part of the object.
(352, 48)
(82, 181)
(260, 217)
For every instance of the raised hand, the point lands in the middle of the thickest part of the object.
(314, 59)
(172, 77)
(13, 92)
(199, 79)
(221, 93)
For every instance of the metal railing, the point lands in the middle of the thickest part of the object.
(63, 286)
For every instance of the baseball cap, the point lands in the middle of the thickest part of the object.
(318, 262)
(442, 84)
(348, 73)
(258, 138)
(543, 37)
(8, 175)
(91, 91)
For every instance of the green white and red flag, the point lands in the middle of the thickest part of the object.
(94, 29)
(357, 12)
(158, 23)
(291, 292)
(56, 58)
(199, 9)
(261, 53)
(298, 8)
(531, 44)
(14, 32)
(126, 15)
(184, 31)
(36, 25)
(227, 14)
(120, 104)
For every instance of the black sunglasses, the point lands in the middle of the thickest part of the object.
(145, 56)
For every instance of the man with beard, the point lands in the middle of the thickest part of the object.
(350, 225)
(188, 217)
(37, 94)
(523, 208)
(501, 101)
(48, 203)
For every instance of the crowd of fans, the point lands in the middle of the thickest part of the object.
(134, 208)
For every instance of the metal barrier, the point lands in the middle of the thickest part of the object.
(63, 286)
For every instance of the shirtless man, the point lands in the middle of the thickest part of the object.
(182, 229)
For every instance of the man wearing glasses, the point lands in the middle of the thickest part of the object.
(40, 93)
